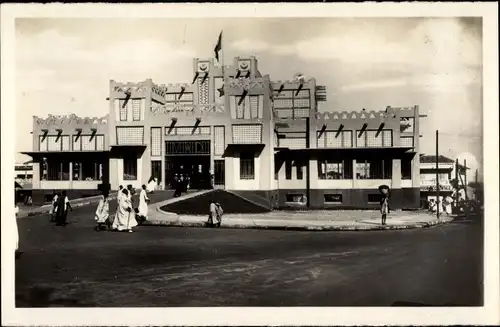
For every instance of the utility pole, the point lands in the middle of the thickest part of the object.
(437, 174)
(457, 181)
(308, 166)
(465, 178)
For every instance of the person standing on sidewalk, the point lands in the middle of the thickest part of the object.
(62, 209)
(102, 213)
(384, 208)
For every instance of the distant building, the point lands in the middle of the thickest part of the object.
(446, 168)
(242, 128)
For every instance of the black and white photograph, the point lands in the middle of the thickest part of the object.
(232, 157)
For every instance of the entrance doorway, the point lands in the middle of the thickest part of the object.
(190, 159)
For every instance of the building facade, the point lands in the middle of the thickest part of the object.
(446, 170)
(237, 129)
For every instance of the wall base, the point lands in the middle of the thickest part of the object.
(406, 198)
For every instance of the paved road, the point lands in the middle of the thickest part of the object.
(161, 266)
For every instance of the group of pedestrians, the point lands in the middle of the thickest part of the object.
(126, 217)
(59, 209)
(180, 184)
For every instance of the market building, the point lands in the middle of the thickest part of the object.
(235, 129)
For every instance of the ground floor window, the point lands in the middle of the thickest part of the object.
(333, 198)
(247, 166)
(295, 198)
(54, 170)
(374, 169)
(288, 169)
(300, 171)
(87, 171)
(406, 168)
(335, 169)
(130, 168)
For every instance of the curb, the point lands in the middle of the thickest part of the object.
(45, 210)
(253, 225)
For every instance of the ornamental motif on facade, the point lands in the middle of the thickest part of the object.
(245, 83)
(187, 108)
(70, 119)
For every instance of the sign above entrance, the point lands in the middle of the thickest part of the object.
(187, 108)
(187, 148)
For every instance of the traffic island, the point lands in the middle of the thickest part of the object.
(321, 220)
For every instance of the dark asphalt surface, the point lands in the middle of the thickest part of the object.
(74, 266)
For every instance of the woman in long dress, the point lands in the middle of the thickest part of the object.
(102, 213)
(143, 204)
(125, 218)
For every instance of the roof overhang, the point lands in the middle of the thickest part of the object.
(313, 152)
(233, 148)
(38, 155)
(117, 151)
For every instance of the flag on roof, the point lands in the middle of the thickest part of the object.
(218, 47)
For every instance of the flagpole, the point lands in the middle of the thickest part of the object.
(222, 54)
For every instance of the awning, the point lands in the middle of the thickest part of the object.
(17, 185)
(234, 148)
(117, 151)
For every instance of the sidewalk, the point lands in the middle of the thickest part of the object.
(28, 211)
(319, 220)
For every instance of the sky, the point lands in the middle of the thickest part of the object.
(64, 65)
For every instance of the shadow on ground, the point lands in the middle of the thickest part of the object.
(198, 205)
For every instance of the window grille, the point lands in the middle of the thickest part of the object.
(240, 108)
(99, 142)
(136, 109)
(219, 140)
(130, 135)
(254, 106)
(123, 110)
(53, 144)
(65, 142)
(247, 134)
(406, 141)
(42, 143)
(155, 141)
(373, 138)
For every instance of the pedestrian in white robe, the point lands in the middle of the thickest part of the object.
(447, 205)
(143, 203)
(102, 213)
(118, 197)
(153, 183)
(53, 208)
(125, 217)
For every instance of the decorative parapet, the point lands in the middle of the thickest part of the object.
(159, 90)
(177, 87)
(390, 112)
(130, 86)
(70, 119)
(297, 82)
(187, 108)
